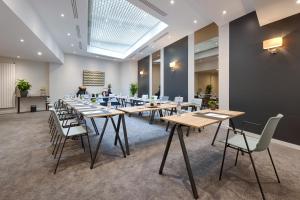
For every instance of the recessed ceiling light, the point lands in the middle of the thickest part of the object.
(172, 2)
(68, 34)
(18, 57)
(62, 15)
(224, 12)
(39, 53)
(195, 21)
(21, 40)
(298, 2)
(72, 45)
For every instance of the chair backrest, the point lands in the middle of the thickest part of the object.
(268, 133)
(178, 99)
(155, 98)
(145, 96)
(197, 102)
(164, 98)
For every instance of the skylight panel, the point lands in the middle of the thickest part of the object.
(117, 28)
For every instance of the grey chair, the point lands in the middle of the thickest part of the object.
(248, 144)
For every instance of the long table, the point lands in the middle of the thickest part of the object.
(98, 111)
(153, 109)
(198, 119)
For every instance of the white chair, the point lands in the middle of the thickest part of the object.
(164, 98)
(197, 103)
(247, 144)
(73, 129)
(145, 96)
(178, 99)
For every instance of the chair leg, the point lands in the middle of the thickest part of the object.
(60, 155)
(88, 139)
(188, 132)
(273, 165)
(257, 178)
(224, 153)
(237, 155)
(82, 144)
(55, 154)
(55, 145)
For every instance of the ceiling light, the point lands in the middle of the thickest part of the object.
(18, 57)
(298, 2)
(72, 45)
(172, 2)
(224, 12)
(62, 15)
(195, 21)
(39, 53)
(68, 34)
(74, 52)
(21, 40)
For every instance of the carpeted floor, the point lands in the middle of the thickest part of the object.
(26, 166)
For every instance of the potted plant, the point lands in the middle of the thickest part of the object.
(208, 89)
(133, 89)
(23, 87)
(212, 104)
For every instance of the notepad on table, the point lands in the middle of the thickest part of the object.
(216, 115)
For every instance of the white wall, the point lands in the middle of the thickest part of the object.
(66, 78)
(224, 66)
(37, 73)
(191, 66)
(128, 74)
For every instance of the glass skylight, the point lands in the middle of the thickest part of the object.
(117, 28)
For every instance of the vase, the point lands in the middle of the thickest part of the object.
(24, 93)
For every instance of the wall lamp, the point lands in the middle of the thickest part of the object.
(273, 44)
(172, 65)
(141, 72)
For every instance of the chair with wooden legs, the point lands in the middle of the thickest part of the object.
(248, 144)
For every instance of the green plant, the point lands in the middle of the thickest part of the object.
(212, 104)
(133, 89)
(23, 85)
(208, 89)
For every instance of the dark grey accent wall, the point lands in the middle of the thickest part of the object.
(143, 80)
(262, 84)
(176, 82)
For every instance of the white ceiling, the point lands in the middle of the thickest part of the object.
(12, 30)
(269, 11)
(179, 17)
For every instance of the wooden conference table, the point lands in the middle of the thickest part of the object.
(98, 111)
(197, 119)
(153, 109)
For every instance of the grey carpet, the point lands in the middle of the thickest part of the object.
(26, 166)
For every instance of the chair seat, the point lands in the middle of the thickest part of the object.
(239, 142)
(75, 130)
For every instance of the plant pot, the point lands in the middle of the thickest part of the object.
(213, 107)
(24, 93)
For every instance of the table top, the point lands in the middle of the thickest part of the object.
(147, 107)
(35, 96)
(92, 110)
(202, 118)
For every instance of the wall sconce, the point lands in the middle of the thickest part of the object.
(172, 65)
(141, 72)
(272, 44)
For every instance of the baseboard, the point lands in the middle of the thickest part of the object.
(275, 141)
